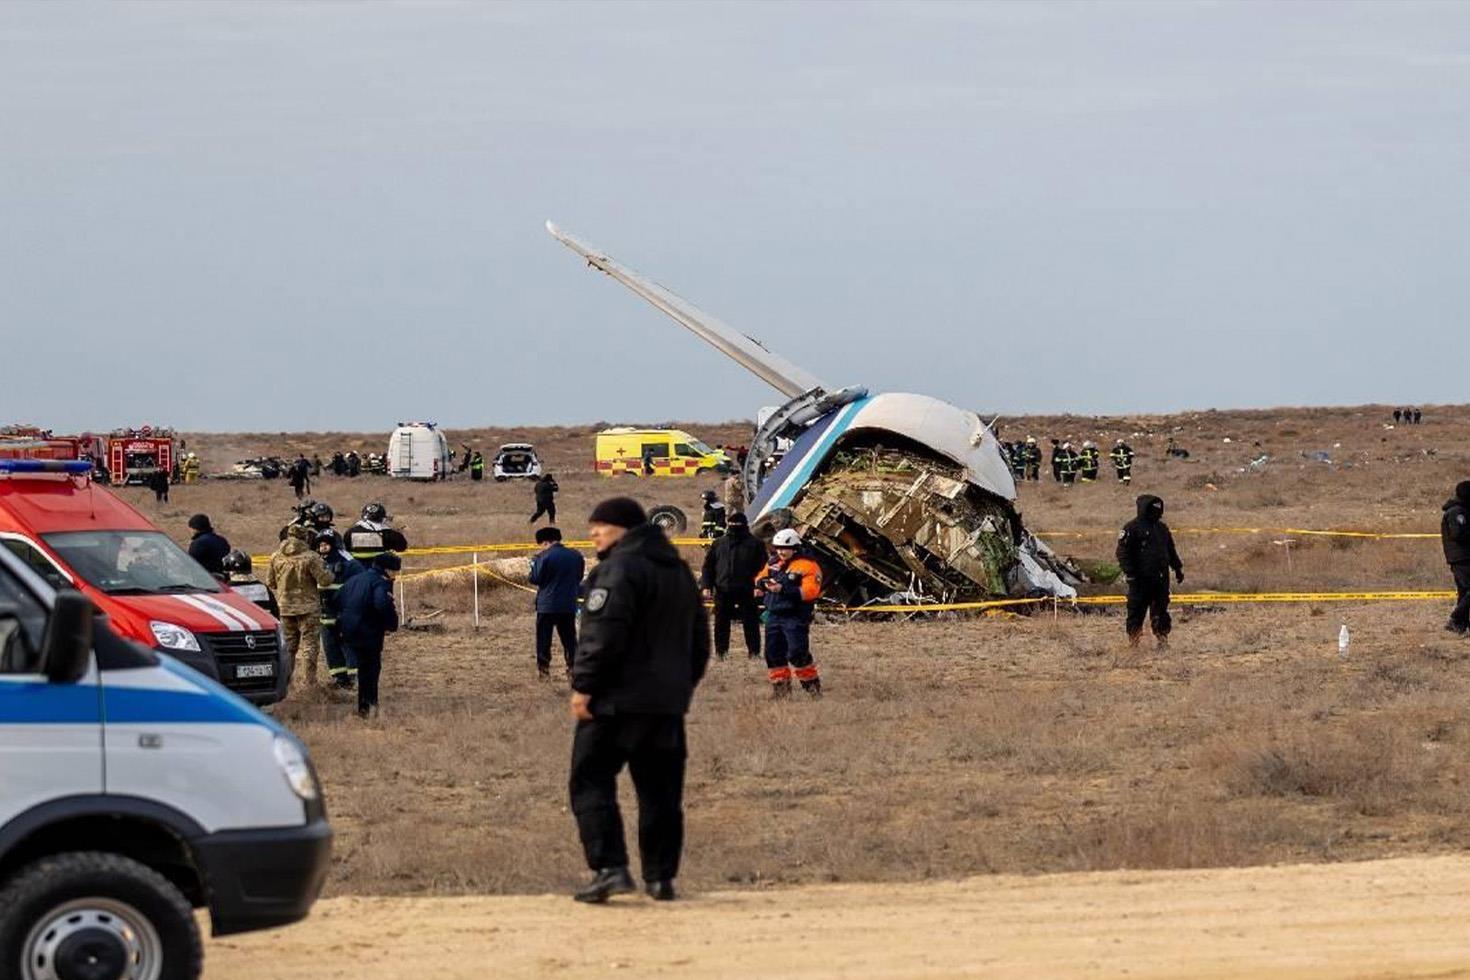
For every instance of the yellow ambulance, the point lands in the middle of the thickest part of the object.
(655, 452)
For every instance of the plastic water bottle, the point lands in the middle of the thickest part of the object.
(1343, 639)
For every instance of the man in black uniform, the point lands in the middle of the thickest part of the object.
(1057, 455)
(644, 648)
(1122, 456)
(544, 491)
(730, 566)
(373, 535)
(1454, 533)
(1146, 554)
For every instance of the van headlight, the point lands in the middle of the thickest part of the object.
(171, 636)
(295, 768)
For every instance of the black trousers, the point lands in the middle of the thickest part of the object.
(565, 626)
(654, 750)
(1460, 617)
(1149, 597)
(548, 509)
(339, 666)
(739, 605)
(369, 668)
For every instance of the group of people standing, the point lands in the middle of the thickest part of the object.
(1408, 416)
(1069, 464)
(331, 592)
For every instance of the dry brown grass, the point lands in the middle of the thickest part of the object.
(947, 748)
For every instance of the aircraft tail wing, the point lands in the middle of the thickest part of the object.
(771, 368)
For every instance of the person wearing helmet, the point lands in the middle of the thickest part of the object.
(1070, 463)
(373, 535)
(712, 524)
(206, 546)
(790, 584)
(1033, 460)
(1122, 457)
(239, 574)
(1088, 461)
(341, 667)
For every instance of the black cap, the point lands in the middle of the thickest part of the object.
(388, 562)
(619, 512)
(545, 534)
(200, 522)
(737, 519)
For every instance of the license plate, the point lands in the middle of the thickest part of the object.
(255, 670)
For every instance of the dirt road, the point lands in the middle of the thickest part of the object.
(1399, 918)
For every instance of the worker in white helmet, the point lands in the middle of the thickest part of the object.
(790, 584)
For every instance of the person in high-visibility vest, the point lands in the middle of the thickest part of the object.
(790, 584)
(1122, 457)
(477, 466)
(341, 667)
(1089, 460)
(373, 535)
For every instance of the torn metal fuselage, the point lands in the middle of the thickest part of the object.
(894, 492)
(900, 493)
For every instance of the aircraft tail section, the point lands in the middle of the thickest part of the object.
(771, 368)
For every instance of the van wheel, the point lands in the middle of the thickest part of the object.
(99, 915)
(668, 519)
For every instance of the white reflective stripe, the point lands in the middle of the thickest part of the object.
(227, 622)
(228, 610)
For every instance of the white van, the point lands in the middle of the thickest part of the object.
(133, 790)
(418, 451)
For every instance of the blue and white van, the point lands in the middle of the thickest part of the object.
(133, 790)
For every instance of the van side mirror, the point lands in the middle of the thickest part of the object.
(67, 647)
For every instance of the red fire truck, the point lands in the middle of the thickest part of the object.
(133, 455)
(33, 442)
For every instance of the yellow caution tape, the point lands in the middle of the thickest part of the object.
(1182, 599)
(1304, 532)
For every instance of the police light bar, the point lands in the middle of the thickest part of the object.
(73, 466)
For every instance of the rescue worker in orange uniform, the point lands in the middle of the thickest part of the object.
(790, 584)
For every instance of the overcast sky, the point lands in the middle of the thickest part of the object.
(308, 216)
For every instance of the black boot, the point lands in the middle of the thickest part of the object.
(609, 882)
(813, 687)
(661, 891)
(780, 690)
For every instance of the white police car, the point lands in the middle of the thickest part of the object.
(133, 789)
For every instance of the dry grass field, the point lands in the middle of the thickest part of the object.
(951, 748)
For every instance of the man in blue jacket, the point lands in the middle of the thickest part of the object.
(366, 615)
(557, 574)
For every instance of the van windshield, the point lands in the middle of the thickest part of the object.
(130, 562)
(701, 448)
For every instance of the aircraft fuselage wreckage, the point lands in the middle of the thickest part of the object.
(903, 497)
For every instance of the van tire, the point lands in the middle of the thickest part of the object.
(53, 881)
(669, 519)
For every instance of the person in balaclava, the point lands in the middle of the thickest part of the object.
(1146, 554)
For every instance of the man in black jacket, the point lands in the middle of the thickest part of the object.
(730, 566)
(1454, 533)
(544, 490)
(207, 547)
(1146, 554)
(644, 648)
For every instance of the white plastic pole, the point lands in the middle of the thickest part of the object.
(475, 575)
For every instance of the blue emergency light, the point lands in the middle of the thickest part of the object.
(74, 466)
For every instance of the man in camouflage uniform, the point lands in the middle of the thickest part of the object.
(297, 574)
